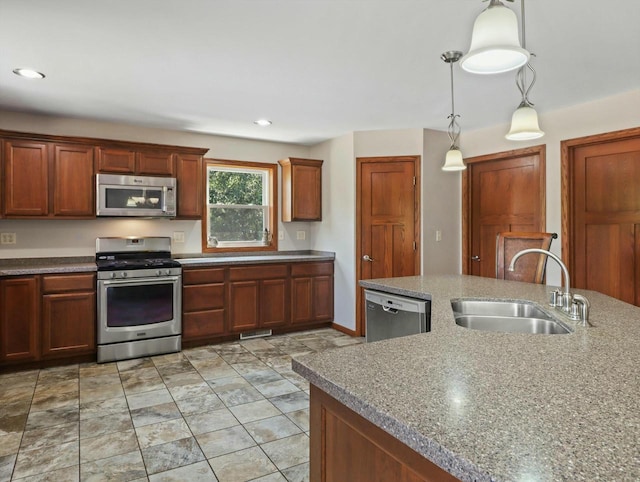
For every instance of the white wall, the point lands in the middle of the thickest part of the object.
(441, 208)
(605, 115)
(336, 232)
(45, 238)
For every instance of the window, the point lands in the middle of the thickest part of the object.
(241, 204)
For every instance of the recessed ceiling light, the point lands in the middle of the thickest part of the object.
(29, 73)
(263, 122)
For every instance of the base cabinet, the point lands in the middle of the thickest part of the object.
(47, 317)
(203, 301)
(311, 292)
(346, 446)
(258, 297)
(19, 319)
(68, 315)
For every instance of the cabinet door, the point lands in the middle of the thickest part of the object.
(26, 178)
(301, 300)
(189, 178)
(68, 324)
(202, 324)
(121, 161)
(155, 163)
(323, 298)
(244, 310)
(73, 185)
(19, 319)
(306, 196)
(273, 302)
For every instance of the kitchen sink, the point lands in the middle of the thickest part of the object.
(506, 316)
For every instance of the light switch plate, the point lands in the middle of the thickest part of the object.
(280, 235)
(178, 236)
(438, 235)
(301, 235)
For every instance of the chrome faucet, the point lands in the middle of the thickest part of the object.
(581, 310)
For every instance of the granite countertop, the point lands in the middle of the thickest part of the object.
(489, 406)
(33, 266)
(206, 259)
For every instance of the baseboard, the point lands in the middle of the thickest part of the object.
(344, 330)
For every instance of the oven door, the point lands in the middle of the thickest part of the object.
(139, 308)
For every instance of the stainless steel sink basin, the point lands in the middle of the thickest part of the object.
(513, 324)
(506, 316)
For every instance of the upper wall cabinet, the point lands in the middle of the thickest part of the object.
(301, 189)
(44, 176)
(120, 160)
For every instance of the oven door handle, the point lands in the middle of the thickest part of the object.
(139, 281)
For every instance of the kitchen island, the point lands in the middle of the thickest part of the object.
(486, 405)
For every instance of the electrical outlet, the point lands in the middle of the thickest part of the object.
(438, 235)
(301, 234)
(7, 238)
(178, 236)
(280, 235)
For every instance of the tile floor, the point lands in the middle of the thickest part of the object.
(228, 412)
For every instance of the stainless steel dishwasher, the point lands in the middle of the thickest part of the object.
(391, 316)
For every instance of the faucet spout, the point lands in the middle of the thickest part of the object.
(565, 271)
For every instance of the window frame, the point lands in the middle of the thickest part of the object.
(272, 172)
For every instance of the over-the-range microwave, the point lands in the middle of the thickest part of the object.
(139, 196)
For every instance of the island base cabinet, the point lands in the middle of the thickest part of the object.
(345, 446)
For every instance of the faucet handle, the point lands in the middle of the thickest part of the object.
(584, 305)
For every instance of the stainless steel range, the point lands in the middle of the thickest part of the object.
(139, 298)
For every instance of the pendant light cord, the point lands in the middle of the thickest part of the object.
(521, 76)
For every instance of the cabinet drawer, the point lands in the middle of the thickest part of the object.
(267, 271)
(202, 297)
(311, 269)
(203, 324)
(202, 275)
(68, 282)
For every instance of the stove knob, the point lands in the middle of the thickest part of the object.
(159, 273)
(113, 275)
(168, 272)
(124, 274)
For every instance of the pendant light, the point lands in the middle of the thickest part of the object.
(453, 160)
(524, 122)
(495, 44)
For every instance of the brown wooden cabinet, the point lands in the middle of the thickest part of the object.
(72, 174)
(116, 160)
(190, 186)
(26, 178)
(301, 189)
(203, 301)
(155, 163)
(19, 319)
(311, 292)
(68, 315)
(132, 160)
(258, 297)
(346, 446)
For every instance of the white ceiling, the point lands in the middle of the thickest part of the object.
(316, 68)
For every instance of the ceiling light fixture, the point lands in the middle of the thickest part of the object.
(495, 44)
(524, 122)
(263, 122)
(453, 161)
(29, 73)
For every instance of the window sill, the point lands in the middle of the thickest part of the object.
(239, 249)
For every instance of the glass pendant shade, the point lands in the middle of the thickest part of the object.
(453, 161)
(495, 44)
(524, 124)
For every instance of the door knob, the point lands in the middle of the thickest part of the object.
(366, 257)
(475, 258)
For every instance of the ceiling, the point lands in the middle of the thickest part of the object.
(316, 68)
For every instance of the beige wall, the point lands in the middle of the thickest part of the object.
(605, 115)
(44, 238)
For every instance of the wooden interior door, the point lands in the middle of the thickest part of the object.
(388, 221)
(502, 192)
(603, 173)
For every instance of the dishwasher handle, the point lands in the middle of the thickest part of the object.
(388, 309)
